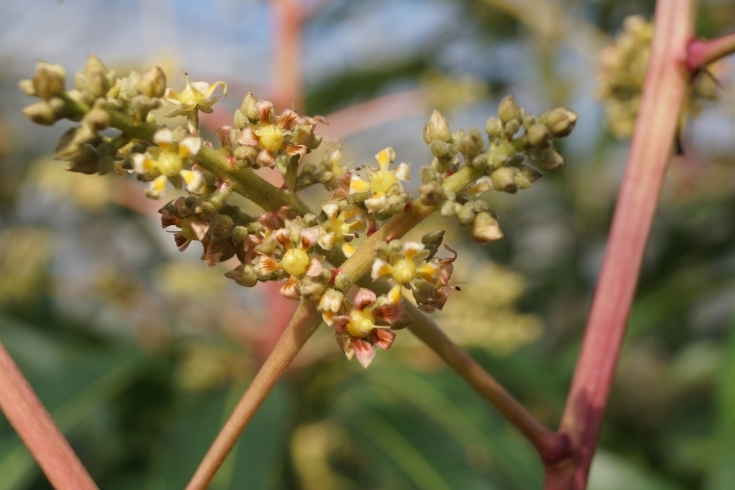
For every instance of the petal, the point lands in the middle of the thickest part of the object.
(292, 150)
(194, 180)
(428, 272)
(375, 203)
(287, 119)
(283, 236)
(345, 343)
(314, 268)
(200, 87)
(141, 164)
(265, 159)
(247, 137)
(331, 209)
(189, 146)
(291, 288)
(380, 268)
(210, 90)
(394, 295)
(382, 337)
(181, 242)
(157, 188)
(340, 323)
(388, 313)
(200, 228)
(268, 265)
(481, 185)
(403, 172)
(163, 138)
(358, 186)
(364, 298)
(385, 157)
(264, 111)
(308, 237)
(364, 351)
(326, 241)
(411, 249)
(348, 249)
(331, 301)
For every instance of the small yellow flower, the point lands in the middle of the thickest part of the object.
(343, 226)
(296, 262)
(167, 161)
(195, 96)
(406, 266)
(382, 182)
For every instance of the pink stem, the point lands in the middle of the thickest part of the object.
(702, 53)
(666, 83)
(38, 431)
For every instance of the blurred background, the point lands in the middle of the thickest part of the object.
(140, 352)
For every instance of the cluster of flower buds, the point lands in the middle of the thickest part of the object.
(282, 245)
(622, 71)
(262, 138)
(517, 140)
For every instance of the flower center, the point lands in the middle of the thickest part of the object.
(271, 137)
(403, 271)
(295, 261)
(382, 181)
(169, 164)
(361, 323)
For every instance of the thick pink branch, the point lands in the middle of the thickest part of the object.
(37, 430)
(702, 53)
(666, 83)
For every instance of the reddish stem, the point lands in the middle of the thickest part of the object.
(702, 53)
(302, 326)
(287, 56)
(666, 83)
(38, 431)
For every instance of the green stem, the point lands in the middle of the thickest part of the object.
(192, 119)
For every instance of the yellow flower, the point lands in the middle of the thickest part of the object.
(296, 262)
(195, 96)
(382, 182)
(343, 226)
(167, 161)
(406, 266)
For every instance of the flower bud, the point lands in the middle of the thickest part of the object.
(441, 149)
(432, 241)
(87, 162)
(431, 194)
(437, 128)
(509, 110)
(152, 83)
(244, 275)
(471, 144)
(560, 121)
(49, 80)
(26, 86)
(221, 226)
(494, 128)
(504, 179)
(538, 134)
(466, 215)
(240, 120)
(40, 113)
(485, 228)
(530, 173)
(249, 107)
(511, 128)
(548, 159)
(97, 120)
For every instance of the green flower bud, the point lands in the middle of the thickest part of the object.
(440, 149)
(560, 121)
(437, 128)
(221, 226)
(485, 228)
(153, 83)
(530, 173)
(244, 275)
(471, 144)
(97, 120)
(432, 241)
(40, 113)
(466, 214)
(504, 179)
(249, 108)
(240, 120)
(538, 134)
(511, 128)
(26, 86)
(87, 162)
(509, 110)
(548, 159)
(494, 128)
(431, 194)
(49, 80)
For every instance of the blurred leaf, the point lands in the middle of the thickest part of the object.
(612, 472)
(255, 461)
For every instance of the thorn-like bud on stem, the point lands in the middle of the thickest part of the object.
(485, 228)
(560, 121)
(437, 128)
(509, 110)
(153, 83)
(244, 275)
